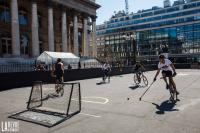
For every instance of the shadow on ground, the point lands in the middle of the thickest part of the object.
(134, 87)
(166, 106)
(101, 83)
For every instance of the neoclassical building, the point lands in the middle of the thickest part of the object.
(29, 27)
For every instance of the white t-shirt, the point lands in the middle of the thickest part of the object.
(166, 66)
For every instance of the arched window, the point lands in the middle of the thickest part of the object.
(23, 17)
(5, 15)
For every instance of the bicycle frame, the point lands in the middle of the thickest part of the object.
(173, 96)
(142, 78)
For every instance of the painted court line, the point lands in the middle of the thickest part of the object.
(94, 100)
(96, 116)
(106, 100)
(182, 74)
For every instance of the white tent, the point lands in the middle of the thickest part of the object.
(51, 57)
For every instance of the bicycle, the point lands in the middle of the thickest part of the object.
(59, 88)
(106, 76)
(141, 77)
(173, 94)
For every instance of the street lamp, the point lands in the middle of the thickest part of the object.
(131, 37)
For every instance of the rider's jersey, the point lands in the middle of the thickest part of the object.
(58, 67)
(166, 66)
(106, 67)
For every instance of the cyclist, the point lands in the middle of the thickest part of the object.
(138, 70)
(168, 70)
(106, 71)
(59, 71)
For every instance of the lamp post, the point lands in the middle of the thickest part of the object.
(131, 37)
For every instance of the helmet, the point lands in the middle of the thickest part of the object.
(161, 56)
(59, 60)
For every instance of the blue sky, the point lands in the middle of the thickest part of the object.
(109, 6)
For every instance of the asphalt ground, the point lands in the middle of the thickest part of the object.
(115, 107)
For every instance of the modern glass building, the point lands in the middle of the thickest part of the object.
(174, 29)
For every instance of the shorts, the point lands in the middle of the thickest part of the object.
(167, 73)
(59, 78)
(138, 72)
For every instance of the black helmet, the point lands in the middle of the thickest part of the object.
(59, 60)
(161, 56)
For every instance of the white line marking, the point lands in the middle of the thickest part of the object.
(89, 101)
(182, 74)
(96, 116)
(192, 103)
(106, 100)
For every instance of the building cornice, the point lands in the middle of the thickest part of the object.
(84, 6)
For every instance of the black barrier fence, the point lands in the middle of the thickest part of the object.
(31, 66)
(22, 79)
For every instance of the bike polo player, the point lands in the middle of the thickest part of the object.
(139, 68)
(106, 71)
(59, 72)
(168, 70)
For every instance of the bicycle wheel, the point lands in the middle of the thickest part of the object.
(61, 89)
(145, 81)
(136, 79)
(172, 93)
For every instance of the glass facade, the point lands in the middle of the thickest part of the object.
(179, 39)
(176, 28)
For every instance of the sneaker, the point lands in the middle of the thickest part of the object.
(177, 93)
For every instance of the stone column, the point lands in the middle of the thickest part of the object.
(15, 29)
(35, 36)
(64, 32)
(94, 45)
(50, 29)
(85, 37)
(76, 47)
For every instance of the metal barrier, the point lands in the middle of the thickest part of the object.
(30, 67)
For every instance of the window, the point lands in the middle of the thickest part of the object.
(23, 18)
(156, 18)
(6, 45)
(121, 19)
(127, 18)
(5, 15)
(172, 9)
(135, 16)
(147, 14)
(189, 6)
(159, 12)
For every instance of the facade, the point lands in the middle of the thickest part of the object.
(173, 29)
(29, 27)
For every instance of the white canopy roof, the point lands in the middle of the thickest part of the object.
(51, 57)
